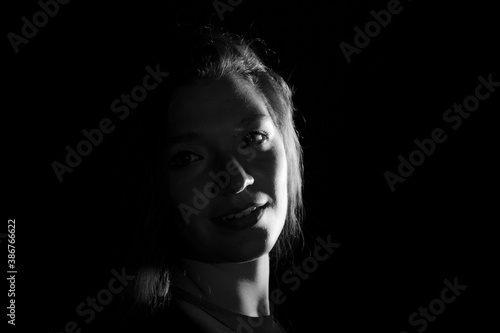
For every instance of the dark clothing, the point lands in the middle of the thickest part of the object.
(189, 314)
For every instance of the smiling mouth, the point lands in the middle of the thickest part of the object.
(241, 214)
(243, 219)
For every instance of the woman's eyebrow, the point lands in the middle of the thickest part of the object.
(240, 124)
(245, 122)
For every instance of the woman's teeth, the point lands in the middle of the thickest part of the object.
(237, 216)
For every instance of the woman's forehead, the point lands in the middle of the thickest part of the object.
(208, 101)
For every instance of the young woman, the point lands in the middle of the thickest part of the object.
(224, 198)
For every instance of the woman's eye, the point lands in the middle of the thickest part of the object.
(184, 158)
(256, 138)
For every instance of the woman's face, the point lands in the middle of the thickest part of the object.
(227, 173)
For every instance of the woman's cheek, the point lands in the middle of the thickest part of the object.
(273, 161)
(179, 192)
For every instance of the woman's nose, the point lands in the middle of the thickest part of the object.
(239, 179)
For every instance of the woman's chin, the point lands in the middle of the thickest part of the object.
(239, 251)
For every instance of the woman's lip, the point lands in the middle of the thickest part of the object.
(243, 222)
(240, 214)
(238, 211)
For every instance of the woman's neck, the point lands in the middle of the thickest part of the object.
(238, 287)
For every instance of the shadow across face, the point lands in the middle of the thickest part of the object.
(227, 171)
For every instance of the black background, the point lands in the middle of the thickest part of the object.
(396, 247)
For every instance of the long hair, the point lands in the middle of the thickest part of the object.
(208, 54)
